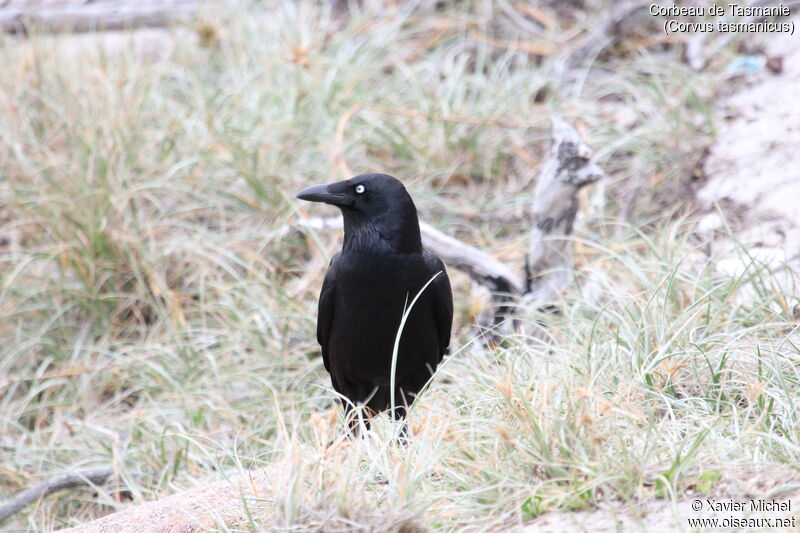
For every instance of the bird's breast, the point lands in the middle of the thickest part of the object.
(372, 294)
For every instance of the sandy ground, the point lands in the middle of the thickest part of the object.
(755, 161)
(754, 164)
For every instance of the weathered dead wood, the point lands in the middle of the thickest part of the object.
(90, 477)
(226, 504)
(478, 265)
(549, 263)
(91, 15)
(250, 501)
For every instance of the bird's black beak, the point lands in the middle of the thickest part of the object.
(325, 194)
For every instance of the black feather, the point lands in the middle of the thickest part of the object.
(381, 268)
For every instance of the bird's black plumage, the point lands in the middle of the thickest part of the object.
(369, 284)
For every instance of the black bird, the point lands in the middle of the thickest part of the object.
(369, 284)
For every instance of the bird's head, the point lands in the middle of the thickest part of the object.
(377, 211)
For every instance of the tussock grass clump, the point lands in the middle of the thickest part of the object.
(157, 301)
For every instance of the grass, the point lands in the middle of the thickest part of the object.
(158, 301)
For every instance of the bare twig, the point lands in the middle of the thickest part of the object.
(90, 477)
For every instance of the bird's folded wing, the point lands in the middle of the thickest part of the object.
(326, 310)
(442, 303)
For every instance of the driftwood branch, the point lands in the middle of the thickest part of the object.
(219, 505)
(569, 167)
(549, 264)
(91, 15)
(91, 477)
(478, 265)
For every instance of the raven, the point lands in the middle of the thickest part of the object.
(368, 287)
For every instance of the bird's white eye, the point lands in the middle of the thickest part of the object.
(359, 189)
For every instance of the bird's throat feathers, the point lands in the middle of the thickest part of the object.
(396, 231)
